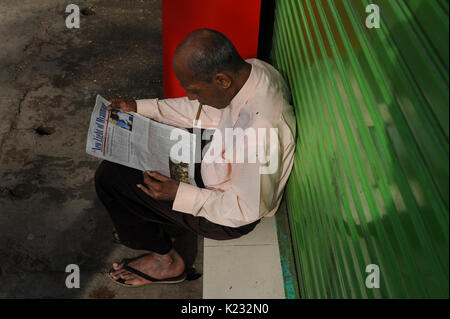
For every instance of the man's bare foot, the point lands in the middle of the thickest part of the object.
(154, 265)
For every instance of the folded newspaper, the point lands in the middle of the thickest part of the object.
(136, 141)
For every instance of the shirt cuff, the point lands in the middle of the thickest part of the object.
(146, 107)
(185, 198)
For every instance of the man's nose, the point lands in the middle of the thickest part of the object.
(192, 96)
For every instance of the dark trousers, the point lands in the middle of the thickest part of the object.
(144, 223)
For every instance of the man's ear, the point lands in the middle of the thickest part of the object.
(222, 80)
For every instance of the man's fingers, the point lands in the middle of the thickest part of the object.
(152, 186)
(113, 103)
(157, 176)
(118, 104)
(152, 183)
(146, 190)
(113, 106)
(158, 186)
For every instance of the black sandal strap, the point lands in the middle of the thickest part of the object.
(149, 278)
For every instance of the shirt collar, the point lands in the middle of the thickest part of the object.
(244, 94)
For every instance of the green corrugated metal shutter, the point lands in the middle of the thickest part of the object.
(371, 178)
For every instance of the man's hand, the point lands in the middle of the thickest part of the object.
(159, 186)
(123, 105)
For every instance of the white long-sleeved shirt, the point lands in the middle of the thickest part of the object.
(237, 193)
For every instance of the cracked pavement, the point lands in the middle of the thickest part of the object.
(49, 77)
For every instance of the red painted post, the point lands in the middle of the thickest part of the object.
(237, 19)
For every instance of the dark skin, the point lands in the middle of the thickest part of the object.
(218, 93)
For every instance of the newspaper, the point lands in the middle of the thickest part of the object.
(136, 141)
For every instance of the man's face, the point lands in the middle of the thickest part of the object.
(206, 93)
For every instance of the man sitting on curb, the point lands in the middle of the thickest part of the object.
(146, 207)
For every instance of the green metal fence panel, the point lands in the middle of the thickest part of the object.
(370, 182)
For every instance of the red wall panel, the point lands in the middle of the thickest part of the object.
(237, 19)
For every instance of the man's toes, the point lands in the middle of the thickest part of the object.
(117, 273)
(117, 266)
(127, 276)
(134, 282)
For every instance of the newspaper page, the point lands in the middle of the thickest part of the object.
(136, 141)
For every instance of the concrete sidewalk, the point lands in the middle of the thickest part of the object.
(49, 76)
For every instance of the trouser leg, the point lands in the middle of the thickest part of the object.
(144, 221)
(134, 231)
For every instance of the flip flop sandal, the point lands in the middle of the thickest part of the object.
(126, 261)
(191, 273)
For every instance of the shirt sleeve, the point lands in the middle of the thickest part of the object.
(251, 193)
(179, 112)
(237, 206)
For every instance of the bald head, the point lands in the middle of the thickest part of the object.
(206, 52)
(209, 68)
